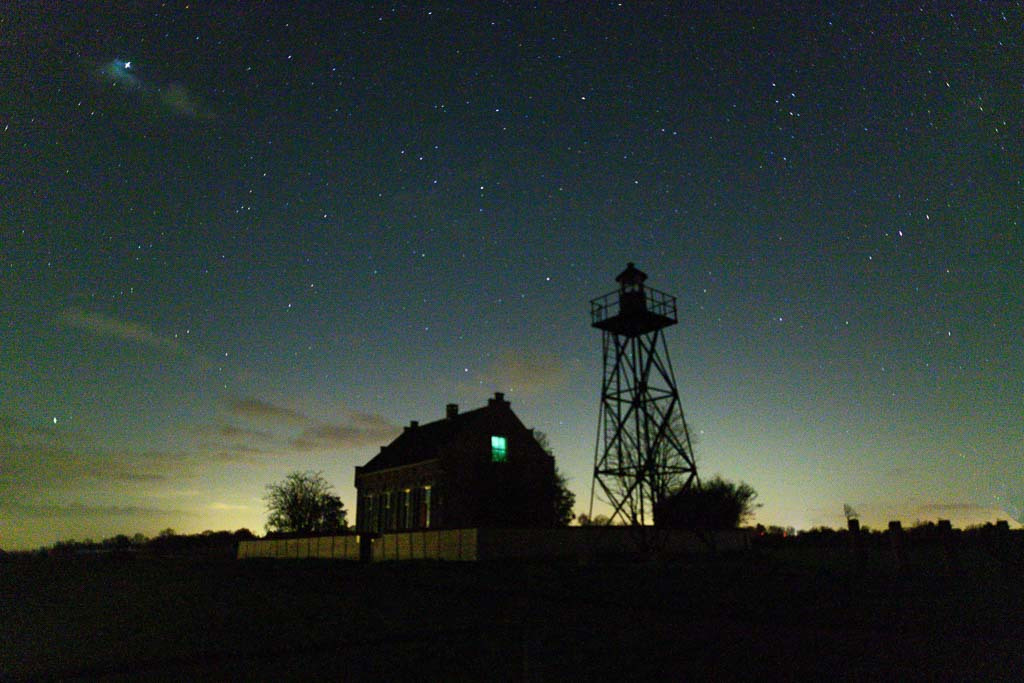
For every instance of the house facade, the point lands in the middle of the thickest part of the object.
(481, 468)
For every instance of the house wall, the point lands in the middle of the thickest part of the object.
(401, 498)
(467, 489)
(483, 493)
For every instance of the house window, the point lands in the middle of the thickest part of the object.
(368, 515)
(387, 513)
(407, 509)
(426, 507)
(499, 449)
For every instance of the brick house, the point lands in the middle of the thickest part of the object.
(481, 468)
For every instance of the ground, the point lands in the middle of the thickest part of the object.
(796, 613)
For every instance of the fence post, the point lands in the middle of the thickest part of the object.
(896, 541)
(856, 545)
(1004, 548)
(949, 549)
(526, 624)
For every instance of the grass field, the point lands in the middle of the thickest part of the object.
(794, 613)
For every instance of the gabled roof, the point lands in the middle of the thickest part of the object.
(419, 443)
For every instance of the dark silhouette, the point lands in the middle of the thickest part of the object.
(304, 503)
(644, 450)
(479, 468)
(565, 499)
(166, 543)
(596, 520)
(713, 504)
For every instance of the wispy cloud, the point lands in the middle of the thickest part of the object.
(253, 408)
(230, 431)
(175, 98)
(227, 506)
(953, 508)
(523, 372)
(35, 458)
(959, 512)
(182, 101)
(241, 453)
(79, 510)
(295, 430)
(114, 328)
(358, 429)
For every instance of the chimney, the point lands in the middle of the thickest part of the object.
(499, 399)
(451, 410)
(412, 425)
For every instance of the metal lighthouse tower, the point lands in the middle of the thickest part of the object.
(643, 450)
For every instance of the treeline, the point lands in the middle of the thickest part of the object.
(166, 543)
(919, 532)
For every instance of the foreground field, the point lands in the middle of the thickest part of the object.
(781, 614)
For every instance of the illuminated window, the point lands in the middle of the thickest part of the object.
(499, 449)
(426, 507)
(407, 509)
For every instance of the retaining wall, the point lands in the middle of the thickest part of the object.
(462, 545)
(324, 547)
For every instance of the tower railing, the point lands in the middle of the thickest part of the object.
(610, 305)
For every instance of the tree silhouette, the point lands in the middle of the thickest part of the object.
(304, 503)
(596, 520)
(714, 504)
(564, 498)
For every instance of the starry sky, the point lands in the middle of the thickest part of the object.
(238, 240)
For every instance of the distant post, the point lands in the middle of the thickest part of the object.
(949, 550)
(1004, 548)
(856, 545)
(897, 543)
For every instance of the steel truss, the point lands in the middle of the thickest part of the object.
(643, 450)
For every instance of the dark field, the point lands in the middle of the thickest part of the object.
(790, 613)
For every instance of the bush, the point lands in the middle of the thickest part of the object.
(715, 504)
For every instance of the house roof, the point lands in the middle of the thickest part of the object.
(418, 443)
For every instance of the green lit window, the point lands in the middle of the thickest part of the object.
(499, 449)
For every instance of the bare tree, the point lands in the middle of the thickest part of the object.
(849, 512)
(304, 503)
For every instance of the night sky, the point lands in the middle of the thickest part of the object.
(240, 240)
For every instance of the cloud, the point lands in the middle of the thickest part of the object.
(229, 431)
(279, 429)
(180, 100)
(291, 429)
(79, 510)
(256, 409)
(961, 514)
(56, 465)
(953, 508)
(175, 98)
(240, 453)
(358, 429)
(122, 330)
(526, 372)
(227, 506)
(42, 459)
